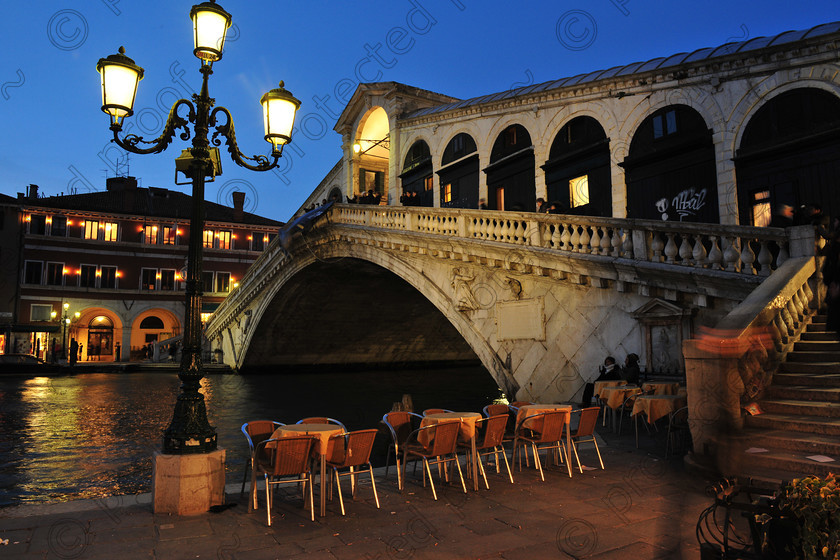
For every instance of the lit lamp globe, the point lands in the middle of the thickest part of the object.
(120, 77)
(210, 25)
(279, 108)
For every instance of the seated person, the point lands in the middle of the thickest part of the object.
(631, 372)
(608, 372)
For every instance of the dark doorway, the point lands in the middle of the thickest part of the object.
(459, 173)
(790, 154)
(670, 169)
(510, 175)
(577, 173)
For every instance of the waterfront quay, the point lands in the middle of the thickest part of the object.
(641, 506)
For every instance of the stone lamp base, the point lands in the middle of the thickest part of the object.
(188, 484)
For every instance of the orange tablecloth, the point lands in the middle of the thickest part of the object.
(661, 387)
(657, 406)
(532, 409)
(599, 385)
(321, 433)
(615, 396)
(467, 420)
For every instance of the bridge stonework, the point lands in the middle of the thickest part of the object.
(539, 299)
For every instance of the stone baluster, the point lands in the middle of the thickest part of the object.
(594, 242)
(783, 253)
(715, 258)
(615, 242)
(606, 242)
(685, 250)
(731, 255)
(789, 322)
(699, 253)
(627, 245)
(575, 239)
(555, 236)
(670, 248)
(808, 296)
(782, 328)
(747, 256)
(497, 230)
(503, 231)
(520, 232)
(796, 308)
(765, 258)
(656, 246)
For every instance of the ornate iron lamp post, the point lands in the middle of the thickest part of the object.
(189, 431)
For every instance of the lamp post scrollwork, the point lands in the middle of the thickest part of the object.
(189, 431)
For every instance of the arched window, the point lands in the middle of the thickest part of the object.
(151, 322)
(790, 154)
(671, 172)
(459, 181)
(510, 175)
(417, 176)
(577, 173)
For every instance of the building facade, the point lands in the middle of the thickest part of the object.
(104, 273)
(719, 135)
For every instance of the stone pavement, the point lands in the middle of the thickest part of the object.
(641, 506)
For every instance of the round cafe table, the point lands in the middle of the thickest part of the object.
(322, 434)
(466, 433)
(661, 387)
(615, 396)
(599, 385)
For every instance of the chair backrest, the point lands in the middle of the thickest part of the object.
(434, 411)
(351, 449)
(549, 425)
(495, 410)
(321, 420)
(257, 431)
(494, 430)
(679, 417)
(588, 419)
(400, 424)
(288, 456)
(445, 436)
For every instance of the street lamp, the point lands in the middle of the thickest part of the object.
(189, 431)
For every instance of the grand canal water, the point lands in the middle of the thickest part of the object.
(93, 435)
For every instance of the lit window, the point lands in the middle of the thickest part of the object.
(150, 235)
(169, 233)
(761, 211)
(579, 191)
(110, 231)
(429, 183)
(90, 229)
(447, 193)
(224, 239)
(209, 235)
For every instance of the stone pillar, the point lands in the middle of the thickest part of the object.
(188, 484)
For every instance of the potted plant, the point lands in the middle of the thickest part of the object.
(815, 503)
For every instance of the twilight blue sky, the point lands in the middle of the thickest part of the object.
(55, 135)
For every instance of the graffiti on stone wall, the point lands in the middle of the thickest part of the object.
(688, 202)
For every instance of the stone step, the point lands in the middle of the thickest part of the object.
(810, 367)
(801, 408)
(803, 392)
(816, 326)
(795, 423)
(817, 346)
(818, 335)
(793, 442)
(812, 356)
(825, 380)
(796, 465)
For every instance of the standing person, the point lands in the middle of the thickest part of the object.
(831, 278)
(74, 351)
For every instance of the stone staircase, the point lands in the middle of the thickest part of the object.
(800, 411)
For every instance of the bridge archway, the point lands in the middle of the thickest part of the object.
(351, 311)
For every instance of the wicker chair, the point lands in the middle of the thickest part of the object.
(439, 448)
(279, 459)
(495, 410)
(350, 451)
(399, 425)
(256, 432)
(544, 431)
(585, 432)
(490, 433)
(321, 420)
(435, 411)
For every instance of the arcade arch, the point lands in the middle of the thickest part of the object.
(417, 177)
(371, 148)
(150, 326)
(510, 176)
(458, 174)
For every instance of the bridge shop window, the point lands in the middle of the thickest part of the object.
(459, 173)
(37, 224)
(510, 175)
(108, 277)
(33, 272)
(670, 169)
(577, 173)
(55, 274)
(58, 226)
(789, 148)
(416, 174)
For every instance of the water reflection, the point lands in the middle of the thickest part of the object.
(93, 435)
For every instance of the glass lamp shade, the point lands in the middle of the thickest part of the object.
(120, 77)
(279, 108)
(210, 25)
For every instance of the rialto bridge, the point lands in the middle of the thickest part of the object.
(539, 299)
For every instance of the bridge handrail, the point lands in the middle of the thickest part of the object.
(741, 249)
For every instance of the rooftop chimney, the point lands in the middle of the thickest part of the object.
(33, 191)
(238, 205)
(120, 183)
